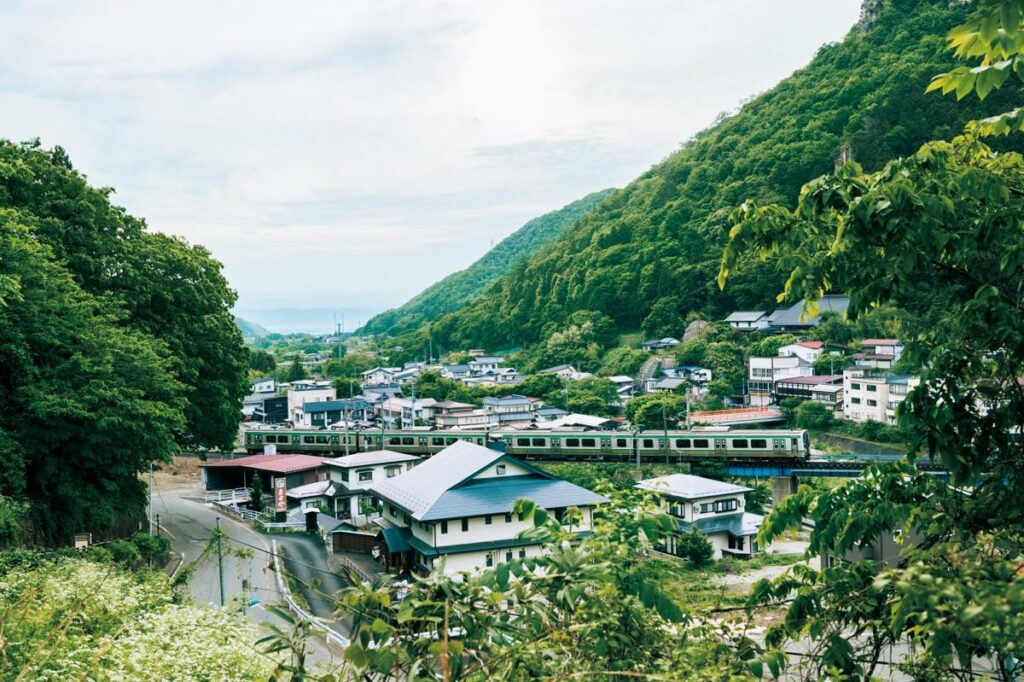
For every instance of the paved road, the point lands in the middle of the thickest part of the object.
(305, 558)
(190, 523)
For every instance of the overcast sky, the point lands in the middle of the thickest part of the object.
(347, 154)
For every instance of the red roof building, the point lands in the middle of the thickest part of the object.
(238, 473)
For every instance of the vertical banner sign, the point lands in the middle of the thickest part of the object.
(280, 491)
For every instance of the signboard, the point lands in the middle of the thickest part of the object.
(270, 449)
(280, 494)
(83, 540)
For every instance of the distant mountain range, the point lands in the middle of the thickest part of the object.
(452, 292)
(251, 330)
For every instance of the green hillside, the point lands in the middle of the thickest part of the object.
(655, 245)
(251, 330)
(452, 292)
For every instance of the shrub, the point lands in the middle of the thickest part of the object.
(694, 546)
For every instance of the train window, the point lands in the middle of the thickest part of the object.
(648, 442)
(589, 443)
(308, 439)
(479, 441)
(538, 442)
(321, 439)
(759, 443)
(700, 442)
(572, 442)
(621, 443)
(682, 442)
(523, 441)
(394, 440)
(740, 443)
(408, 440)
(449, 441)
(437, 441)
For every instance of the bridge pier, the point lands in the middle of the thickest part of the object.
(783, 487)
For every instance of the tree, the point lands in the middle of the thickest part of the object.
(656, 411)
(622, 361)
(664, 319)
(813, 415)
(940, 228)
(592, 396)
(769, 346)
(691, 544)
(725, 359)
(262, 361)
(256, 492)
(296, 372)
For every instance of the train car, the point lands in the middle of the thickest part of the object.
(754, 444)
(314, 441)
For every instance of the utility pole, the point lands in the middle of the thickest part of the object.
(150, 498)
(220, 564)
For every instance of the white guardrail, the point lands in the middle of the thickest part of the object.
(233, 496)
(329, 634)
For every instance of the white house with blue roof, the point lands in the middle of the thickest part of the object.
(715, 508)
(457, 506)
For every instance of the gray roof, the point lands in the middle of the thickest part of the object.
(325, 488)
(736, 525)
(745, 316)
(498, 495)
(515, 416)
(507, 400)
(556, 368)
(790, 317)
(362, 459)
(441, 487)
(670, 383)
(551, 410)
(688, 487)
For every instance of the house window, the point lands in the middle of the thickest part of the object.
(499, 469)
(444, 527)
(872, 388)
(366, 475)
(487, 520)
(508, 556)
(393, 471)
(724, 506)
(407, 518)
(522, 554)
(344, 475)
(465, 525)
(508, 518)
(490, 560)
(855, 387)
(872, 403)
(855, 401)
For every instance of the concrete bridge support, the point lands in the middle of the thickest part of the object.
(783, 487)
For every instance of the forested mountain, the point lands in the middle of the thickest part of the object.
(117, 347)
(653, 248)
(452, 292)
(250, 330)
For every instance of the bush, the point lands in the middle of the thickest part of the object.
(812, 415)
(694, 546)
(151, 546)
(125, 552)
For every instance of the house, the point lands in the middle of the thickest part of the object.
(660, 344)
(879, 353)
(351, 477)
(297, 470)
(793, 318)
(485, 363)
(764, 372)
(669, 385)
(546, 414)
(457, 372)
(510, 403)
(327, 412)
(871, 395)
(273, 410)
(808, 351)
(694, 374)
(380, 376)
(476, 352)
(264, 385)
(567, 372)
(456, 510)
(748, 320)
(714, 508)
(411, 412)
(826, 389)
(450, 407)
(301, 393)
(467, 419)
(624, 386)
(252, 403)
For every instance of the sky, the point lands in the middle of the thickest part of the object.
(345, 155)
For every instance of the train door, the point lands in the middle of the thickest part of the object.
(556, 445)
(606, 446)
(779, 447)
(721, 447)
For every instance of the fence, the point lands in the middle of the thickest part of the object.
(355, 568)
(231, 496)
(237, 512)
(330, 634)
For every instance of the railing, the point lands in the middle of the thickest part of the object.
(355, 568)
(237, 512)
(233, 496)
(329, 633)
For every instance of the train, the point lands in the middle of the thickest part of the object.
(695, 444)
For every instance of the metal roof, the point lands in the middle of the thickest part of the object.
(335, 405)
(880, 342)
(507, 400)
(745, 316)
(791, 317)
(326, 488)
(370, 458)
(689, 487)
(497, 495)
(278, 464)
(736, 525)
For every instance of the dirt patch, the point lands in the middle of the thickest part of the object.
(182, 467)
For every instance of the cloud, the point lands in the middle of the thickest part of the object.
(328, 153)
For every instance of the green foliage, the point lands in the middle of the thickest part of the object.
(453, 291)
(13, 517)
(664, 319)
(813, 415)
(433, 385)
(769, 346)
(661, 236)
(256, 492)
(656, 411)
(262, 361)
(694, 546)
(622, 361)
(351, 366)
(296, 372)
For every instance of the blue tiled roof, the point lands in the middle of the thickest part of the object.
(497, 495)
(397, 539)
